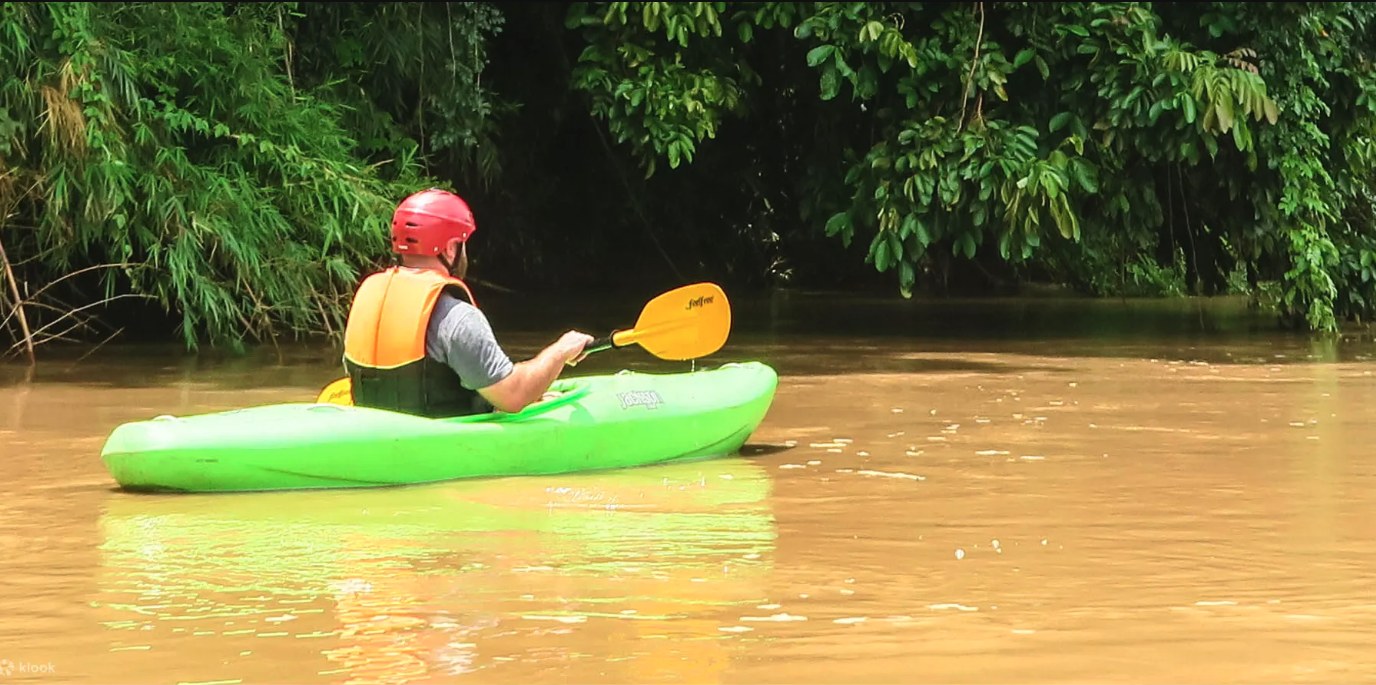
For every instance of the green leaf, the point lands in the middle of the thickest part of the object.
(895, 247)
(830, 82)
(923, 236)
(842, 68)
(1023, 57)
(881, 254)
(838, 222)
(819, 54)
(1077, 30)
(1086, 175)
(1189, 151)
(870, 31)
(1049, 184)
(1072, 231)
(966, 244)
(1242, 137)
(907, 277)
(909, 226)
(1187, 106)
(1223, 108)
(1060, 120)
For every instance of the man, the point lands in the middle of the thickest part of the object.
(416, 341)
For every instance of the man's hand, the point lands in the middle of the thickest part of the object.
(572, 345)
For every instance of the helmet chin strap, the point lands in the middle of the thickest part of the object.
(448, 265)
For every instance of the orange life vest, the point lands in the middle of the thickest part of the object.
(384, 346)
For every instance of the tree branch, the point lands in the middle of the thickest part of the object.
(969, 79)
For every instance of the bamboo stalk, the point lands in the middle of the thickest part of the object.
(18, 305)
(4, 307)
(324, 317)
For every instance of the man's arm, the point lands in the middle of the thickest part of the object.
(464, 340)
(529, 379)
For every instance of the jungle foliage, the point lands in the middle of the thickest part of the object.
(189, 156)
(234, 164)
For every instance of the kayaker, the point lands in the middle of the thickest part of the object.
(416, 341)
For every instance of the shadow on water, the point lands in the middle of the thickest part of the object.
(763, 450)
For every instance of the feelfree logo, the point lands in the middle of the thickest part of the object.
(699, 302)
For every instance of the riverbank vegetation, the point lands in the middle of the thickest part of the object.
(224, 172)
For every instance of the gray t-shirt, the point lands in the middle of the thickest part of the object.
(460, 336)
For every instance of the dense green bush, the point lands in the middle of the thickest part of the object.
(233, 164)
(193, 154)
(1093, 143)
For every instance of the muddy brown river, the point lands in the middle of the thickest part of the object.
(1006, 491)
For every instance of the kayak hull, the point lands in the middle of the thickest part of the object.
(611, 421)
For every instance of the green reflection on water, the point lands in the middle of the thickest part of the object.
(398, 580)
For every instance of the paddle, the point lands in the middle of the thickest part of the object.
(684, 323)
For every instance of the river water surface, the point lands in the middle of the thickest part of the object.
(971, 492)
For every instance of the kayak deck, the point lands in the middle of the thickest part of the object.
(610, 421)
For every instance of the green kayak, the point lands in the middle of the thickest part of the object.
(598, 422)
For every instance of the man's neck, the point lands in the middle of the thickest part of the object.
(426, 264)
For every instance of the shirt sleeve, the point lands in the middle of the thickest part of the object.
(463, 339)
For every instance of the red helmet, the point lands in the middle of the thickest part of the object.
(425, 222)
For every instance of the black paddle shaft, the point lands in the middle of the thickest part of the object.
(600, 344)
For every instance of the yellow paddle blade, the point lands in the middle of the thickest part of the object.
(685, 323)
(337, 392)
